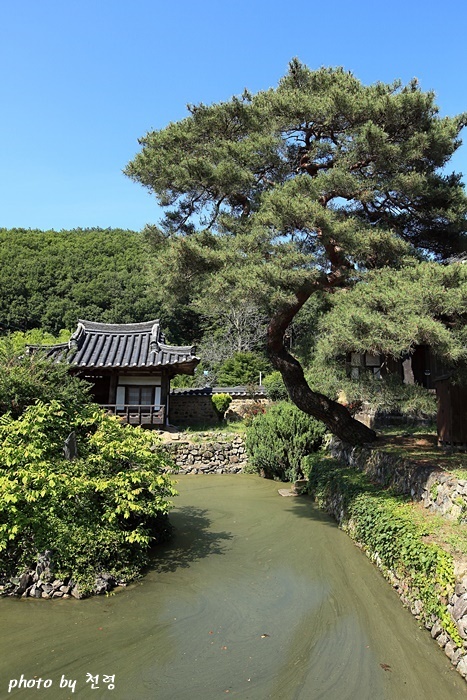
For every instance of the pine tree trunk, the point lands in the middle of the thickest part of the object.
(334, 415)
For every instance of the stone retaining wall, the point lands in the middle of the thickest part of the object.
(41, 582)
(221, 457)
(438, 490)
(455, 606)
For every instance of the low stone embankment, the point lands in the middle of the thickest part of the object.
(41, 583)
(223, 456)
(441, 493)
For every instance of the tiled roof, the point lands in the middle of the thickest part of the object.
(232, 390)
(129, 345)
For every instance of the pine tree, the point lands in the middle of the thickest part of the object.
(299, 189)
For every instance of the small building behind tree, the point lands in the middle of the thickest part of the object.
(129, 367)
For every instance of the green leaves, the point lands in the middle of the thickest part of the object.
(393, 311)
(51, 278)
(100, 512)
(289, 176)
(278, 440)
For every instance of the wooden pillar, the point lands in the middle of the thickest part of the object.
(113, 388)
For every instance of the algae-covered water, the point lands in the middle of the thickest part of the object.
(256, 597)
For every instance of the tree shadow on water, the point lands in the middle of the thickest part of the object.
(304, 507)
(191, 540)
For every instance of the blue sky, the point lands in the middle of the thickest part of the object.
(81, 81)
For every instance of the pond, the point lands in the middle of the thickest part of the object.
(257, 596)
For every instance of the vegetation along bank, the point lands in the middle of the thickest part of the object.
(421, 556)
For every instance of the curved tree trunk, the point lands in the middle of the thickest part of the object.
(334, 415)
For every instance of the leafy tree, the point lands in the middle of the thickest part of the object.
(396, 310)
(301, 189)
(24, 379)
(50, 278)
(275, 387)
(242, 368)
(100, 514)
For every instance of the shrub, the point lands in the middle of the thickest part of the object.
(252, 411)
(275, 387)
(221, 403)
(278, 440)
(25, 379)
(99, 513)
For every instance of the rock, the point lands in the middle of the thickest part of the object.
(417, 607)
(442, 639)
(75, 593)
(24, 582)
(460, 607)
(436, 629)
(452, 652)
(103, 584)
(462, 666)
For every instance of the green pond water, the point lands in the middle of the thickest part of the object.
(256, 597)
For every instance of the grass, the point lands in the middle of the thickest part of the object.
(205, 433)
(449, 535)
(419, 444)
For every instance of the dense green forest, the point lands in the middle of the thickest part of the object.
(49, 279)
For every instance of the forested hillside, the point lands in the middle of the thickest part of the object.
(50, 279)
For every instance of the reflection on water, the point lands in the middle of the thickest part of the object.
(256, 597)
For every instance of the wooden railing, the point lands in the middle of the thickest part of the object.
(137, 414)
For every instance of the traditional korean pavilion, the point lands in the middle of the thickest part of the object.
(128, 365)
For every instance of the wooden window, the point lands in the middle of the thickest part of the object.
(143, 395)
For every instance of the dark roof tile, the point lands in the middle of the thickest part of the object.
(135, 345)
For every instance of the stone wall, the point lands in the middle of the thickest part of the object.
(439, 491)
(224, 456)
(191, 410)
(193, 407)
(455, 606)
(41, 582)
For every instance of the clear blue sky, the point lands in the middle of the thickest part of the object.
(82, 80)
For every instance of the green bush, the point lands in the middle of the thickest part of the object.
(278, 440)
(275, 387)
(25, 379)
(221, 403)
(98, 513)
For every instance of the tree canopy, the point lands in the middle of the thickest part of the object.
(52, 278)
(396, 310)
(299, 189)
